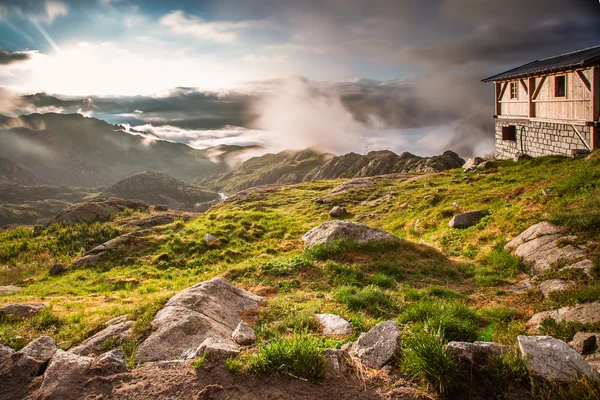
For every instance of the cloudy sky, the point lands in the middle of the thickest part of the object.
(388, 72)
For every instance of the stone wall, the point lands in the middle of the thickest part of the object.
(541, 139)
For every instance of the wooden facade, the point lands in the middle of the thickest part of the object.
(551, 110)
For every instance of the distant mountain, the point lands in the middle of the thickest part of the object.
(160, 189)
(385, 162)
(231, 155)
(285, 167)
(51, 103)
(69, 149)
(13, 173)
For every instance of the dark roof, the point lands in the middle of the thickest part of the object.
(575, 59)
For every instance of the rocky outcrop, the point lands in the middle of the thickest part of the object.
(585, 343)
(550, 358)
(555, 285)
(106, 249)
(157, 188)
(112, 362)
(5, 351)
(65, 373)
(542, 245)
(160, 219)
(334, 325)
(466, 220)
(472, 163)
(95, 210)
(584, 313)
(353, 184)
(243, 334)
(376, 347)
(21, 310)
(476, 354)
(13, 173)
(9, 289)
(95, 345)
(343, 231)
(210, 309)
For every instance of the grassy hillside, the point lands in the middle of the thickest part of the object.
(439, 280)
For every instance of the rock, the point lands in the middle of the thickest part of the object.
(335, 363)
(21, 310)
(472, 163)
(112, 362)
(32, 359)
(585, 313)
(377, 347)
(243, 334)
(456, 205)
(161, 207)
(585, 343)
(210, 392)
(522, 286)
(584, 265)
(555, 285)
(117, 320)
(94, 210)
(520, 156)
(486, 164)
(103, 251)
(543, 228)
(9, 289)
(353, 184)
(210, 239)
(476, 354)
(594, 361)
(466, 220)
(37, 230)
(208, 309)
(217, 349)
(5, 351)
(547, 192)
(550, 358)
(336, 231)
(41, 349)
(66, 372)
(337, 212)
(57, 269)
(334, 324)
(158, 220)
(95, 344)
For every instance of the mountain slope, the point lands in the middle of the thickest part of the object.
(70, 149)
(11, 172)
(156, 188)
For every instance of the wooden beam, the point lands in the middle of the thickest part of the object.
(538, 88)
(524, 86)
(530, 97)
(497, 89)
(585, 81)
(502, 91)
(595, 131)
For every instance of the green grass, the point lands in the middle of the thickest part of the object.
(199, 362)
(371, 299)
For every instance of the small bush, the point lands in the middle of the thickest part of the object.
(384, 281)
(300, 356)
(370, 298)
(199, 362)
(233, 365)
(426, 358)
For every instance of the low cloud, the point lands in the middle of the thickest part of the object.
(7, 57)
(10, 102)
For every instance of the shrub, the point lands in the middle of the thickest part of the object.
(233, 365)
(426, 358)
(199, 362)
(300, 356)
(370, 298)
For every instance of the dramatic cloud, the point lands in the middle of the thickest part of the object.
(224, 32)
(43, 11)
(13, 57)
(10, 101)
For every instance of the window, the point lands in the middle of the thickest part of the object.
(509, 133)
(560, 86)
(514, 90)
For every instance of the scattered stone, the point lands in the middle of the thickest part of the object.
(66, 372)
(5, 351)
(456, 205)
(95, 344)
(522, 286)
(376, 347)
(555, 285)
(210, 239)
(9, 289)
(584, 265)
(334, 324)
(594, 361)
(337, 212)
(520, 156)
(466, 220)
(377, 201)
(335, 363)
(585, 343)
(210, 309)
(585, 313)
(550, 358)
(335, 231)
(158, 220)
(217, 349)
(94, 210)
(21, 310)
(547, 192)
(243, 334)
(472, 163)
(57, 269)
(476, 354)
(112, 362)
(486, 164)
(353, 184)
(117, 320)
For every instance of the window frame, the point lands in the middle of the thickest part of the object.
(560, 90)
(514, 90)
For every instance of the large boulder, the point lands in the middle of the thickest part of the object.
(344, 231)
(584, 313)
(466, 220)
(112, 362)
(475, 354)
(208, 309)
(95, 210)
(334, 325)
(21, 310)
(95, 344)
(32, 359)
(65, 374)
(376, 347)
(542, 245)
(550, 358)
(471, 163)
